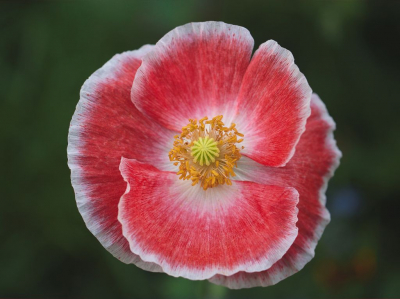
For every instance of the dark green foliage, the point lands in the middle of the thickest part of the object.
(349, 52)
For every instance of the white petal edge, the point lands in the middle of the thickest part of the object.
(74, 143)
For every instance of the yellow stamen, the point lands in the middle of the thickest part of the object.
(206, 152)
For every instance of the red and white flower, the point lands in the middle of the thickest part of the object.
(252, 146)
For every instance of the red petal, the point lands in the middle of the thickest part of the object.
(313, 164)
(194, 71)
(273, 105)
(105, 126)
(194, 233)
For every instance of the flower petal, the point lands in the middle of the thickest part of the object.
(105, 126)
(309, 171)
(196, 234)
(273, 105)
(194, 71)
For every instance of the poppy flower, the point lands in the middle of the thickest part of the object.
(194, 158)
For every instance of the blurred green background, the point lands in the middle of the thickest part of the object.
(349, 52)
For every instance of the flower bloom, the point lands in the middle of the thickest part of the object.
(191, 157)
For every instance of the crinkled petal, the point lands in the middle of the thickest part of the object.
(273, 105)
(309, 171)
(196, 234)
(194, 71)
(105, 126)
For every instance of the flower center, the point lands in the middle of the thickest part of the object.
(206, 152)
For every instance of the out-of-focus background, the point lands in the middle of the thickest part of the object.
(350, 54)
